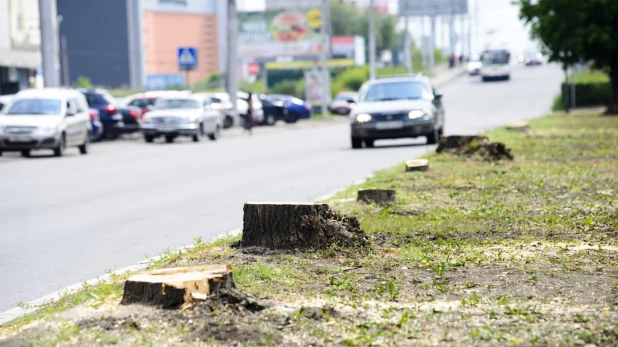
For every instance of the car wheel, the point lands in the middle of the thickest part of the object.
(169, 139)
(149, 138)
(214, 136)
(291, 118)
(433, 137)
(441, 131)
(369, 143)
(270, 119)
(357, 143)
(198, 135)
(83, 149)
(59, 151)
(0, 153)
(228, 122)
(25, 153)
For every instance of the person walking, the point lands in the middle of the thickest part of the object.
(249, 116)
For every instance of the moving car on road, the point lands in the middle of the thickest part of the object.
(496, 65)
(397, 107)
(4, 99)
(533, 58)
(343, 102)
(474, 66)
(182, 116)
(45, 119)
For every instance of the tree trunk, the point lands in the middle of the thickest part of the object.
(613, 74)
(417, 165)
(378, 196)
(565, 90)
(287, 226)
(173, 288)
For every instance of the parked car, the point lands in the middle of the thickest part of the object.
(273, 110)
(343, 103)
(116, 120)
(4, 99)
(182, 116)
(45, 119)
(95, 123)
(474, 66)
(396, 107)
(242, 106)
(295, 107)
(222, 103)
(145, 101)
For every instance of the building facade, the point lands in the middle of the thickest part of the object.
(20, 44)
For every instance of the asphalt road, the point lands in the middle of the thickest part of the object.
(67, 220)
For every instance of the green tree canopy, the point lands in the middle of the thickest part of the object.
(573, 31)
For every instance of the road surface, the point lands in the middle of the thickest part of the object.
(70, 219)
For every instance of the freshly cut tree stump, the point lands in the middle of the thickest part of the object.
(173, 288)
(287, 226)
(518, 126)
(378, 196)
(417, 165)
(469, 145)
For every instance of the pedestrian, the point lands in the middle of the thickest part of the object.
(461, 59)
(249, 116)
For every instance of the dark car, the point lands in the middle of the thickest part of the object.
(295, 107)
(115, 120)
(273, 110)
(397, 107)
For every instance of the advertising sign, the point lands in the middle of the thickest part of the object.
(263, 36)
(164, 81)
(432, 7)
(24, 24)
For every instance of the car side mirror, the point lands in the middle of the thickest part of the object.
(437, 96)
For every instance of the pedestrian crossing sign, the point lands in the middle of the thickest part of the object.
(187, 58)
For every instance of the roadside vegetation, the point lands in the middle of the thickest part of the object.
(473, 253)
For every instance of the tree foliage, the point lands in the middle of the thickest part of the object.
(573, 31)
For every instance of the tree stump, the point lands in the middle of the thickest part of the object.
(518, 126)
(469, 145)
(287, 226)
(173, 288)
(417, 165)
(378, 196)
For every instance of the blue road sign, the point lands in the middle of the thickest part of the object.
(187, 58)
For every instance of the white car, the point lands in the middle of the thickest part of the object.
(182, 116)
(474, 66)
(45, 119)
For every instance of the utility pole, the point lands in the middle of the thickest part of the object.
(462, 35)
(65, 61)
(232, 55)
(432, 56)
(372, 40)
(406, 44)
(49, 42)
(324, 58)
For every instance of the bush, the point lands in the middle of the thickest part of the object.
(286, 87)
(558, 104)
(83, 82)
(592, 88)
(257, 87)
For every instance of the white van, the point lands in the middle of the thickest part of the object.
(45, 119)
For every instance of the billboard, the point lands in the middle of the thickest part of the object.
(264, 36)
(432, 7)
(291, 5)
(24, 24)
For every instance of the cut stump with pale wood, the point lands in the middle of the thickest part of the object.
(518, 126)
(417, 165)
(289, 226)
(378, 196)
(175, 287)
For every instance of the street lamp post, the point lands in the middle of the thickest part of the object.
(372, 40)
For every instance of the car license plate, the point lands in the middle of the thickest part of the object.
(167, 128)
(389, 125)
(20, 139)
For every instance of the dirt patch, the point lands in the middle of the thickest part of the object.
(474, 146)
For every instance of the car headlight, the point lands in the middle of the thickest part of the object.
(416, 114)
(363, 118)
(46, 131)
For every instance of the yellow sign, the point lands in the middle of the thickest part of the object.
(314, 18)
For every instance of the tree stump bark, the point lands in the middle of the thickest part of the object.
(518, 126)
(417, 165)
(378, 196)
(287, 226)
(173, 288)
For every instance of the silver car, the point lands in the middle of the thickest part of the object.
(189, 116)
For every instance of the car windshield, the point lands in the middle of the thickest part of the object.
(143, 103)
(176, 103)
(35, 106)
(388, 91)
(496, 57)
